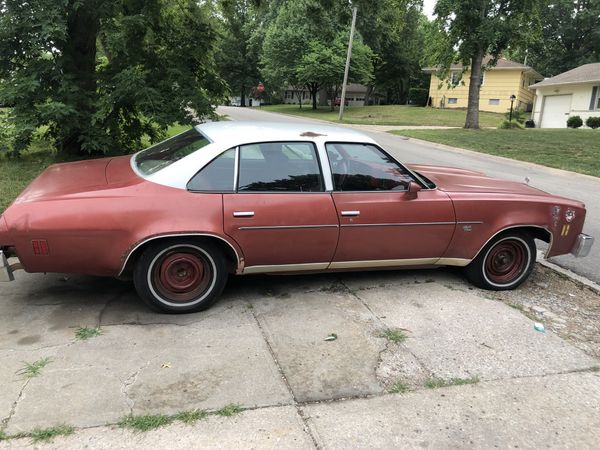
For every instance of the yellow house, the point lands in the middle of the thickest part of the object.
(499, 83)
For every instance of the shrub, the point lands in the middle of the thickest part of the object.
(593, 122)
(574, 122)
(510, 125)
(518, 114)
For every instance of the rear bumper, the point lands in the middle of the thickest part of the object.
(583, 245)
(6, 270)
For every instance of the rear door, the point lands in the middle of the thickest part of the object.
(380, 225)
(280, 214)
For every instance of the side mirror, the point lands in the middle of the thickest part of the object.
(413, 190)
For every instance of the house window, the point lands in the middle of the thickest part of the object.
(455, 78)
(452, 101)
(494, 101)
(482, 78)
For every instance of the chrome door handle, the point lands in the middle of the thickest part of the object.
(350, 213)
(243, 214)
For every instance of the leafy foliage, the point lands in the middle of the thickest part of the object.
(477, 28)
(593, 122)
(574, 122)
(101, 75)
(569, 37)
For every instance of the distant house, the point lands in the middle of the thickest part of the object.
(572, 93)
(355, 95)
(498, 84)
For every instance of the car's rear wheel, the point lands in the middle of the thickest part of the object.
(504, 263)
(181, 276)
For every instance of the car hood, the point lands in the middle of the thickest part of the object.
(81, 176)
(450, 179)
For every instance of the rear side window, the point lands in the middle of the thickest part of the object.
(165, 153)
(280, 167)
(217, 175)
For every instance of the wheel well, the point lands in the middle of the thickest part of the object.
(230, 254)
(535, 232)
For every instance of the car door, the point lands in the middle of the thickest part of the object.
(280, 214)
(381, 223)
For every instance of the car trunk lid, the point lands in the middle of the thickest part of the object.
(76, 177)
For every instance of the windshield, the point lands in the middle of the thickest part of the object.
(165, 153)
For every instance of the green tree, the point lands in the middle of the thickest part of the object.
(391, 29)
(476, 28)
(569, 37)
(322, 66)
(101, 75)
(240, 48)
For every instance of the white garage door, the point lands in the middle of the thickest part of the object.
(556, 111)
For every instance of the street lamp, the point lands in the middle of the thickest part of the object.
(512, 100)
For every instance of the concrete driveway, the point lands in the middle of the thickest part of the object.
(377, 360)
(559, 182)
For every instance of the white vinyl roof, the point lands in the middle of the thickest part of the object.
(226, 135)
(238, 133)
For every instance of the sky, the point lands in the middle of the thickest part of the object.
(428, 7)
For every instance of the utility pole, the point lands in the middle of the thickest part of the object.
(348, 57)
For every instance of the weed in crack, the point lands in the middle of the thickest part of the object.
(434, 383)
(31, 370)
(394, 335)
(85, 333)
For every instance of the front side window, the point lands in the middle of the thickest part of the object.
(216, 176)
(165, 153)
(279, 167)
(365, 167)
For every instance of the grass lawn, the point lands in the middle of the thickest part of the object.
(16, 173)
(574, 150)
(390, 115)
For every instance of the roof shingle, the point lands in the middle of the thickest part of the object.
(588, 73)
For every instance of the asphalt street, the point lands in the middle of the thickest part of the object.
(558, 182)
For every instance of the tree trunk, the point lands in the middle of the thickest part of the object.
(80, 65)
(472, 121)
(368, 94)
(313, 88)
(243, 97)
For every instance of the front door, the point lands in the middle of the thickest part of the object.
(380, 223)
(280, 214)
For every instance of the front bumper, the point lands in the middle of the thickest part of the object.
(583, 245)
(6, 270)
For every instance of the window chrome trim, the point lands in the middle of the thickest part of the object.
(236, 168)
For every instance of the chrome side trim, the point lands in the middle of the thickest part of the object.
(472, 222)
(285, 268)
(582, 246)
(240, 261)
(383, 263)
(243, 214)
(458, 262)
(286, 227)
(6, 271)
(401, 224)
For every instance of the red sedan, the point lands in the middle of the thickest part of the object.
(242, 198)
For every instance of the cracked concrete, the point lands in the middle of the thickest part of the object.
(262, 347)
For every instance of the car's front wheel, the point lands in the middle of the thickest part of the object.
(180, 276)
(504, 263)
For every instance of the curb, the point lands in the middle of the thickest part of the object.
(568, 273)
